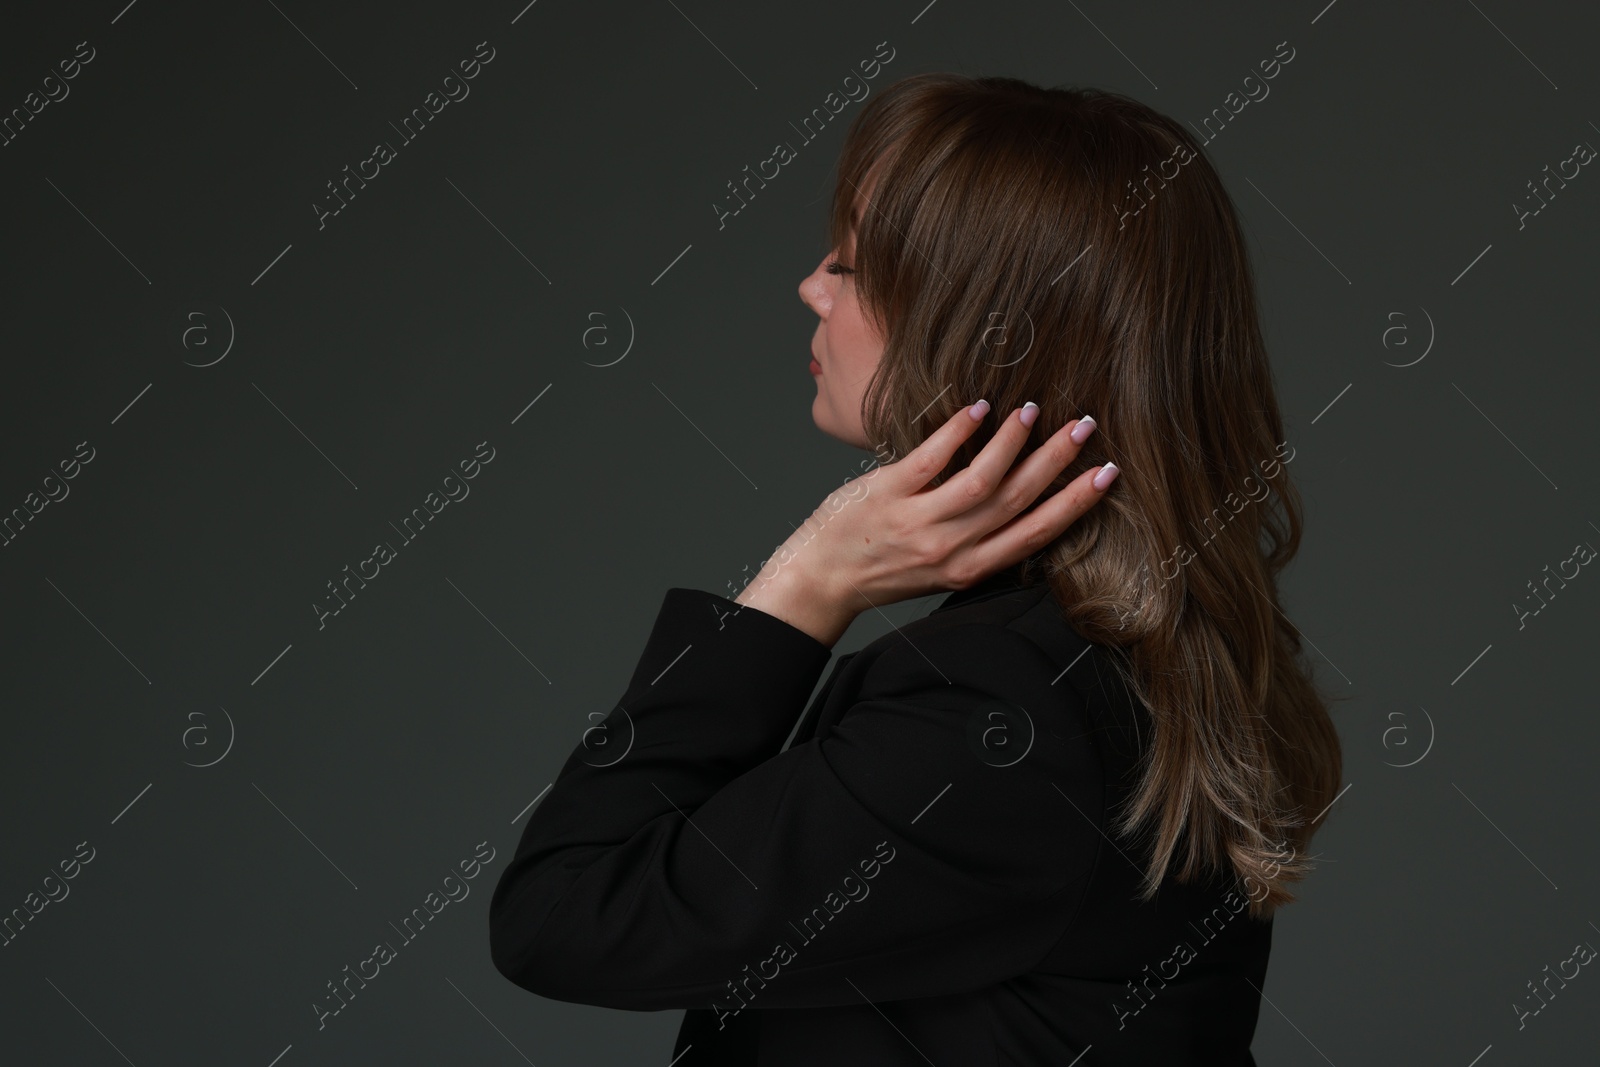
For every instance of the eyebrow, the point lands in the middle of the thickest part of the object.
(855, 218)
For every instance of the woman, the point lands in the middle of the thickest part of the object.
(1050, 822)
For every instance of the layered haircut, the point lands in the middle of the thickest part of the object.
(1073, 247)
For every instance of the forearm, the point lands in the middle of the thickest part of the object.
(713, 696)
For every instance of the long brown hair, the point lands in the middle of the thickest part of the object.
(1073, 247)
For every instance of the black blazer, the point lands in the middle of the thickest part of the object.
(925, 875)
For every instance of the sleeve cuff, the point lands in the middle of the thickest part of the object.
(760, 663)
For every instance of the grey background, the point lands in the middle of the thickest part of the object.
(175, 581)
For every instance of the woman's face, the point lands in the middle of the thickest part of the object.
(845, 347)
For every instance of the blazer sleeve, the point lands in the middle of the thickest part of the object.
(690, 861)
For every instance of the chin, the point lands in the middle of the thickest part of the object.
(823, 417)
(831, 432)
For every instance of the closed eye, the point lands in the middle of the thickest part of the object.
(836, 267)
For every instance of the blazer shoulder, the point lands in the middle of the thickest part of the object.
(1019, 643)
(1030, 613)
(1018, 638)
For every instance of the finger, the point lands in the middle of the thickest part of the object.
(1013, 492)
(1028, 534)
(921, 464)
(977, 483)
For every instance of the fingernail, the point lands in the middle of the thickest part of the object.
(1107, 475)
(1080, 433)
(1030, 412)
(978, 410)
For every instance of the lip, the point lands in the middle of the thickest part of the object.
(816, 368)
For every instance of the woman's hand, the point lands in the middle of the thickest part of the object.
(885, 537)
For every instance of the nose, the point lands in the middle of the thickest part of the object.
(815, 290)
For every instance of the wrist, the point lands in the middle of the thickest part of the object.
(799, 599)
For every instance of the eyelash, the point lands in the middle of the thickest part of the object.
(836, 267)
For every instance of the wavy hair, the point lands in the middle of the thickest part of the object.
(1073, 247)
